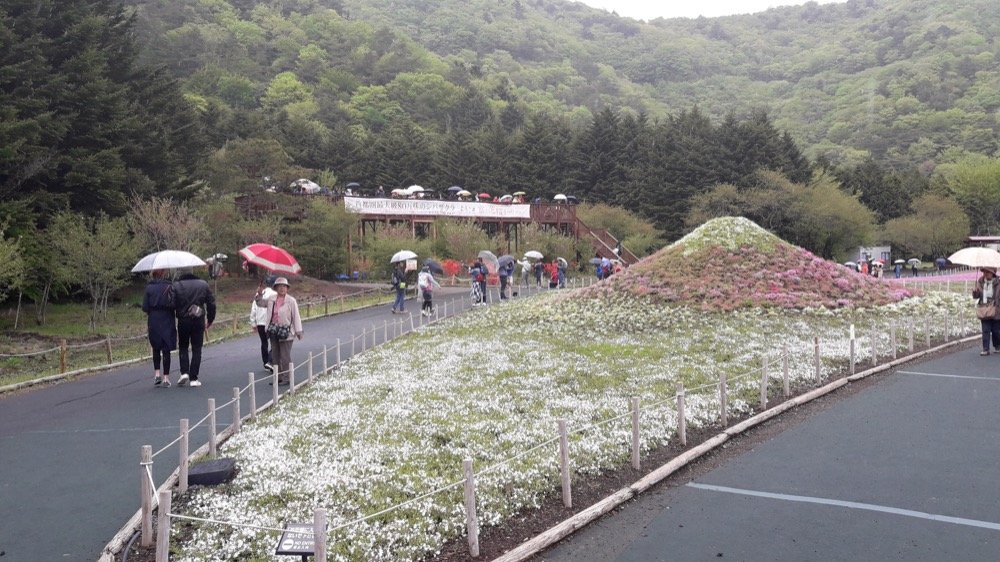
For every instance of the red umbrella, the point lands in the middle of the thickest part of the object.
(485, 196)
(271, 258)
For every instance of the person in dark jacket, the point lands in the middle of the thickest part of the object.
(399, 284)
(194, 305)
(158, 304)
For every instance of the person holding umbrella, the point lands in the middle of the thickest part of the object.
(986, 292)
(194, 305)
(158, 304)
(399, 284)
(284, 326)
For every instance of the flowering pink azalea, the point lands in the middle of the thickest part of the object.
(705, 270)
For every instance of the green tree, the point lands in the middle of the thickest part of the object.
(12, 275)
(99, 252)
(975, 183)
(163, 224)
(319, 239)
(936, 227)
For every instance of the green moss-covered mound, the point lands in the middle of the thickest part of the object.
(729, 263)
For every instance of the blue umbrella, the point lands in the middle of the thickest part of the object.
(505, 260)
(434, 266)
(455, 189)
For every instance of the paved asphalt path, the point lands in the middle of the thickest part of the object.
(69, 453)
(908, 469)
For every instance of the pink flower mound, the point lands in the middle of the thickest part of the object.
(778, 275)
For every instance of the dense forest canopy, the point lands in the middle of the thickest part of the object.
(882, 101)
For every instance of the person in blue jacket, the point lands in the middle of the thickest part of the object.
(399, 284)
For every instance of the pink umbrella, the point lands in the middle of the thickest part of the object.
(485, 196)
(271, 258)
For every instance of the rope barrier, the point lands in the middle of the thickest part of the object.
(517, 456)
(229, 523)
(31, 354)
(167, 446)
(201, 421)
(395, 507)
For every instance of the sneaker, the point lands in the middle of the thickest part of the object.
(158, 380)
(194, 383)
(165, 383)
(269, 367)
(984, 353)
(183, 381)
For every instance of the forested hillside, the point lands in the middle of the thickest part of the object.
(880, 112)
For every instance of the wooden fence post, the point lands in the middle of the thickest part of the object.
(853, 354)
(785, 391)
(291, 377)
(62, 356)
(763, 385)
(816, 358)
(635, 432)
(471, 520)
(235, 326)
(927, 331)
(163, 528)
(874, 338)
(275, 393)
(353, 339)
(107, 348)
(723, 405)
(212, 440)
(911, 329)
(252, 388)
(567, 490)
(947, 327)
(146, 495)
(309, 372)
(308, 309)
(236, 410)
(338, 353)
(184, 458)
(319, 535)
(681, 420)
(326, 367)
(892, 341)
(364, 339)
(326, 306)
(411, 321)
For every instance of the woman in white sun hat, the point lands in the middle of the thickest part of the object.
(284, 326)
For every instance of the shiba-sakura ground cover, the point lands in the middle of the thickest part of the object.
(396, 422)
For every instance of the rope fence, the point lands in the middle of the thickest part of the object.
(753, 385)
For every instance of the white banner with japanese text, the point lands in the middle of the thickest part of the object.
(433, 207)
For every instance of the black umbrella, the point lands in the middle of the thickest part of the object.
(353, 184)
(505, 260)
(434, 266)
(572, 200)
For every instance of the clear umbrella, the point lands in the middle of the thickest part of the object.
(402, 255)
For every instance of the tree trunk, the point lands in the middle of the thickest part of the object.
(43, 303)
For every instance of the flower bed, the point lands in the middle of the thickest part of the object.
(729, 263)
(395, 423)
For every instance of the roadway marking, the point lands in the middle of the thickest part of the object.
(944, 376)
(852, 505)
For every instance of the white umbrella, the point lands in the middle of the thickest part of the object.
(913, 261)
(899, 262)
(976, 257)
(562, 261)
(533, 254)
(413, 189)
(402, 255)
(559, 197)
(168, 259)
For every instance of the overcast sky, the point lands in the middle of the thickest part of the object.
(651, 9)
